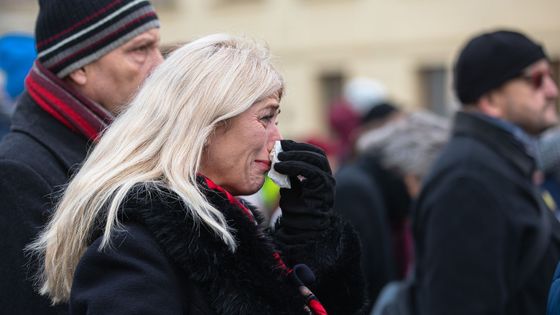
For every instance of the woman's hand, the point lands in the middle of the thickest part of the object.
(305, 207)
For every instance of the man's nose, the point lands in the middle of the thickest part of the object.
(551, 88)
(157, 58)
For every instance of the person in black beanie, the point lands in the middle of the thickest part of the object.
(92, 56)
(485, 242)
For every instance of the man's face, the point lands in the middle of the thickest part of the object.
(113, 79)
(529, 101)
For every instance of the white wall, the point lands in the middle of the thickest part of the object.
(385, 39)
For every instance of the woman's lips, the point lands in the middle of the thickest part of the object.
(265, 164)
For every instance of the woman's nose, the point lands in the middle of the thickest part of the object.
(276, 133)
(273, 137)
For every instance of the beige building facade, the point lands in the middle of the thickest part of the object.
(409, 45)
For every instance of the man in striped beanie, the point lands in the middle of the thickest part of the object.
(92, 56)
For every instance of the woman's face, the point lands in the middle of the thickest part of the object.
(236, 156)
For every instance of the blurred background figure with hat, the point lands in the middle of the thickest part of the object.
(363, 105)
(379, 200)
(363, 94)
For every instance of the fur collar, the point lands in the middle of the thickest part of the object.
(248, 281)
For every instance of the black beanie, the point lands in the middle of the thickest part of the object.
(491, 59)
(379, 112)
(73, 33)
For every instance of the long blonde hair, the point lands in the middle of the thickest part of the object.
(158, 139)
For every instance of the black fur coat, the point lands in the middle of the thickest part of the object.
(161, 262)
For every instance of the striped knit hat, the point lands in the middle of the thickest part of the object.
(73, 33)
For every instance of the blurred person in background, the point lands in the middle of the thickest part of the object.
(364, 104)
(407, 150)
(391, 162)
(408, 146)
(549, 157)
(361, 183)
(92, 57)
(343, 121)
(549, 154)
(363, 94)
(380, 112)
(17, 53)
(329, 145)
(155, 227)
(485, 241)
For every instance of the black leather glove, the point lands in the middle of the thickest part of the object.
(307, 205)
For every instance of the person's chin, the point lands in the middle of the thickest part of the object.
(253, 187)
(258, 183)
(551, 121)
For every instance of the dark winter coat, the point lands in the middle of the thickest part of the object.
(477, 220)
(162, 263)
(36, 159)
(360, 200)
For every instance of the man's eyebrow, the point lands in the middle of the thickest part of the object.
(142, 40)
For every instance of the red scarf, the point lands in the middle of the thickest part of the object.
(68, 106)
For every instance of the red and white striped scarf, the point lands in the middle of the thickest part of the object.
(64, 103)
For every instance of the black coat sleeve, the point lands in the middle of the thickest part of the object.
(24, 209)
(464, 251)
(132, 276)
(334, 257)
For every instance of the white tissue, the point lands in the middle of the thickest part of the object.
(280, 179)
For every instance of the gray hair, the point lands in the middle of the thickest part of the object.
(408, 145)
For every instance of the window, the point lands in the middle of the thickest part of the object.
(435, 90)
(330, 85)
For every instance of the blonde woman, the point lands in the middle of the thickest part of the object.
(151, 224)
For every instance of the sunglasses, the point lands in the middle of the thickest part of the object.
(536, 80)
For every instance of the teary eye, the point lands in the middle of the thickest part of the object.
(267, 118)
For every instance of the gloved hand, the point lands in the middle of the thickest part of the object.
(306, 206)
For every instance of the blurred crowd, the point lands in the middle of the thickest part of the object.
(454, 215)
(384, 156)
